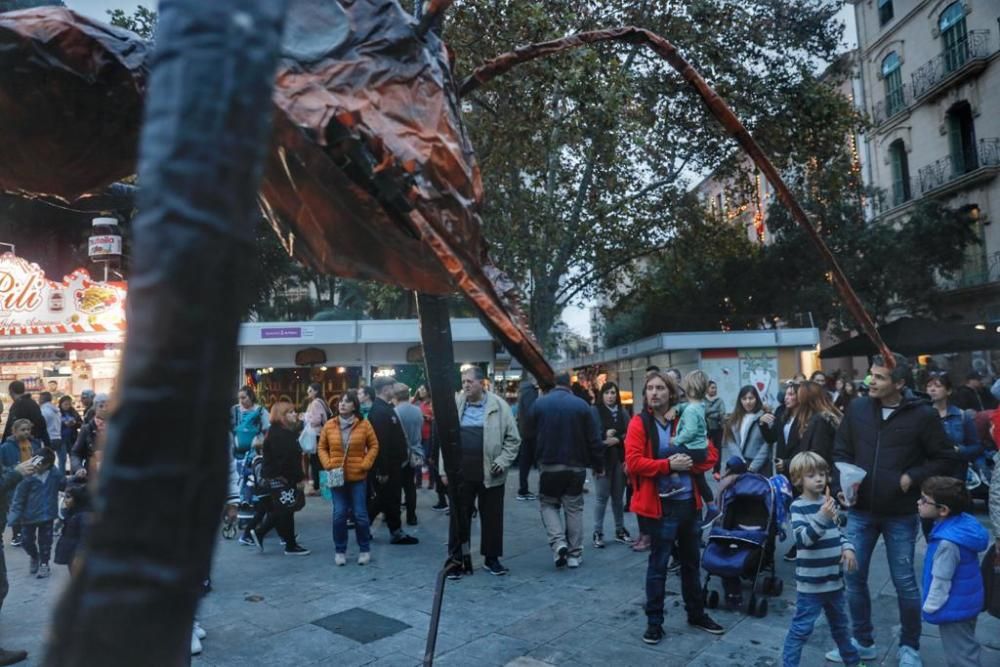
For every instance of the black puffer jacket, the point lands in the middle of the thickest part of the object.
(282, 455)
(910, 441)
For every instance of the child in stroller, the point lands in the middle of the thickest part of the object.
(741, 541)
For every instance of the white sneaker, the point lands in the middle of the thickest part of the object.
(195, 644)
(340, 559)
(199, 631)
(909, 657)
(364, 557)
(574, 561)
(866, 652)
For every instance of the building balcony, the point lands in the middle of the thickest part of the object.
(967, 57)
(956, 172)
(894, 104)
(985, 271)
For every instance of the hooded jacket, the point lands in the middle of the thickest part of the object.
(910, 441)
(965, 596)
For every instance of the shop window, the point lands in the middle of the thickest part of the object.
(884, 11)
(900, 172)
(954, 36)
(891, 73)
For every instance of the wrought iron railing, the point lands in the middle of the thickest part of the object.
(974, 46)
(984, 273)
(940, 172)
(895, 101)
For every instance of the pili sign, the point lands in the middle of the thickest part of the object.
(31, 304)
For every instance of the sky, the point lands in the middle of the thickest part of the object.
(577, 317)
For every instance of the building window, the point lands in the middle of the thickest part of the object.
(962, 139)
(900, 173)
(893, 77)
(884, 11)
(954, 36)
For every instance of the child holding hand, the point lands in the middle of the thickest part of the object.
(822, 552)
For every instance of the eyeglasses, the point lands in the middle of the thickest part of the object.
(924, 500)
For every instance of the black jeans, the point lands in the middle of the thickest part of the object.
(283, 522)
(36, 540)
(525, 462)
(315, 465)
(680, 525)
(384, 498)
(409, 492)
(490, 504)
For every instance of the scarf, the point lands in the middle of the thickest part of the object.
(346, 426)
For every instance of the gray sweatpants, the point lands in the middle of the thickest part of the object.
(960, 646)
(562, 490)
(610, 485)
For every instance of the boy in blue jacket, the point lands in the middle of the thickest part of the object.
(952, 583)
(36, 507)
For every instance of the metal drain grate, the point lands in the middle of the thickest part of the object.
(361, 625)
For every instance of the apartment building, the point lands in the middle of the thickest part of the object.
(930, 72)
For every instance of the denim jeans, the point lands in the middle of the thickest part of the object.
(900, 536)
(610, 486)
(351, 497)
(807, 609)
(37, 540)
(680, 526)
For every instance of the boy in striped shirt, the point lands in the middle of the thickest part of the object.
(821, 552)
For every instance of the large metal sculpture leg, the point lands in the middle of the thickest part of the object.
(439, 361)
(162, 482)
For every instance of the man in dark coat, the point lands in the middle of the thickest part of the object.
(386, 477)
(897, 439)
(24, 407)
(527, 394)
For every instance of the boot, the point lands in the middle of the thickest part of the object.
(12, 657)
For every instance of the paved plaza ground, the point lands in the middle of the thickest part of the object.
(268, 609)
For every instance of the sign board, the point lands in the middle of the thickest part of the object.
(31, 304)
(759, 367)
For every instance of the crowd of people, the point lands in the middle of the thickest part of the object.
(369, 450)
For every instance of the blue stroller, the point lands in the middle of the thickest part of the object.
(741, 541)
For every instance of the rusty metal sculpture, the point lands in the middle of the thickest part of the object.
(369, 173)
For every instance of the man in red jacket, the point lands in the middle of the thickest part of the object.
(668, 504)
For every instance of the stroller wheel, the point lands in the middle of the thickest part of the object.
(759, 607)
(712, 600)
(761, 585)
(777, 586)
(229, 530)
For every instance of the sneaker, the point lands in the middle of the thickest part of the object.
(598, 541)
(790, 555)
(494, 567)
(526, 496)
(340, 559)
(256, 540)
(442, 506)
(364, 558)
(195, 644)
(674, 566)
(43, 571)
(16, 541)
(866, 652)
(909, 657)
(623, 537)
(403, 538)
(706, 623)
(12, 657)
(574, 561)
(653, 634)
(199, 631)
(641, 544)
(455, 574)
(33, 567)
(561, 553)
(246, 541)
(296, 550)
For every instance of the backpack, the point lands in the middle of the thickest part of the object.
(246, 427)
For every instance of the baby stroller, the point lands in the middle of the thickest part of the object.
(741, 541)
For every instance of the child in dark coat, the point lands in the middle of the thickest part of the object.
(36, 507)
(76, 516)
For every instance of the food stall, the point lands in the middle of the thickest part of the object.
(59, 336)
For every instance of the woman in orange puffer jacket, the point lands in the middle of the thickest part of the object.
(362, 448)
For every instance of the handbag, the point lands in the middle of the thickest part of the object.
(286, 498)
(335, 477)
(307, 439)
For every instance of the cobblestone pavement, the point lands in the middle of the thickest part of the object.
(268, 609)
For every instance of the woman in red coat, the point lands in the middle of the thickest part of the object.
(668, 504)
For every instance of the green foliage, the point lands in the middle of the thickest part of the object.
(583, 155)
(142, 22)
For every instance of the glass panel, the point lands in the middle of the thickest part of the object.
(952, 14)
(954, 37)
(884, 11)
